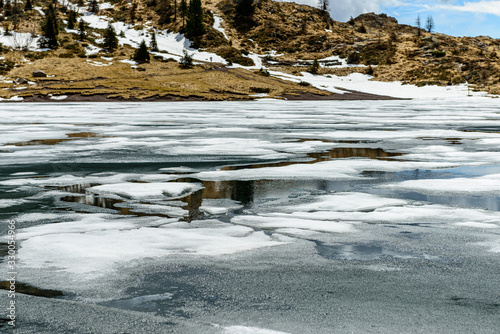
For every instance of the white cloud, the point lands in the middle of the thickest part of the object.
(483, 7)
(342, 10)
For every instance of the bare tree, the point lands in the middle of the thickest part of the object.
(429, 24)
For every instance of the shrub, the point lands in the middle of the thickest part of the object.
(438, 54)
(142, 54)
(260, 90)
(304, 83)
(314, 68)
(186, 61)
(264, 72)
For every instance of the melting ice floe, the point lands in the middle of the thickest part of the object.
(250, 330)
(170, 190)
(94, 244)
(473, 185)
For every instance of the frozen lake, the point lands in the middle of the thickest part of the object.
(262, 217)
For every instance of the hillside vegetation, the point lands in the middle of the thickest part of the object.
(288, 33)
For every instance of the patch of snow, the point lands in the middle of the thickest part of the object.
(14, 98)
(59, 97)
(217, 25)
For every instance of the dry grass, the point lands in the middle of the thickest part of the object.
(81, 76)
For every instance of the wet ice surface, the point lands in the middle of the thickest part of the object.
(258, 217)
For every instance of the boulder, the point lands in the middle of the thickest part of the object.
(39, 74)
(20, 81)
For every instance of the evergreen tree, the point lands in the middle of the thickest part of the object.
(71, 19)
(110, 39)
(165, 12)
(175, 10)
(80, 3)
(154, 44)
(93, 6)
(51, 12)
(323, 5)
(132, 13)
(7, 10)
(142, 54)
(183, 8)
(1, 3)
(419, 26)
(186, 61)
(81, 30)
(245, 8)
(314, 68)
(28, 5)
(194, 24)
(50, 29)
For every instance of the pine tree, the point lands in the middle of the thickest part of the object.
(314, 68)
(28, 5)
(183, 8)
(93, 6)
(245, 8)
(165, 12)
(154, 44)
(81, 30)
(142, 54)
(132, 13)
(323, 5)
(110, 39)
(50, 29)
(71, 19)
(419, 26)
(186, 61)
(1, 3)
(175, 10)
(194, 24)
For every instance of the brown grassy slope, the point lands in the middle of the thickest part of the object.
(395, 51)
(156, 79)
(302, 32)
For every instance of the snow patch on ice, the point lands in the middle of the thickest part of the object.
(170, 190)
(268, 222)
(94, 244)
(474, 185)
(250, 330)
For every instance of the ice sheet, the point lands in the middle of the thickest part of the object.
(352, 201)
(473, 185)
(250, 330)
(268, 222)
(92, 245)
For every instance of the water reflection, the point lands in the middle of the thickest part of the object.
(358, 252)
(71, 136)
(335, 153)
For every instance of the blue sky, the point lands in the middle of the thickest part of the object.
(452, 17)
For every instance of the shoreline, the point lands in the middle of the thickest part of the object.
(350, 95)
